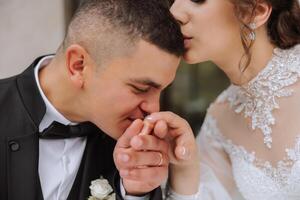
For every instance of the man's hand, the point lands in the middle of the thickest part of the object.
(142, 160)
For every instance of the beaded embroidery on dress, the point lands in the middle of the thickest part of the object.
(257, 99)
(257, 179)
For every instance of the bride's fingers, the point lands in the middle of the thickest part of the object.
(147, 128)
(173, 121)
(182, 150)
(180, 132)
(161, 129)
(182, 153)
(168, 116)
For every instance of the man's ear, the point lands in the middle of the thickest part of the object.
(76, 59)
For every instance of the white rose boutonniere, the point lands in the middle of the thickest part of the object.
(101, 190)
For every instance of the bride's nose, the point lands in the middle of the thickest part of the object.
(178, 11)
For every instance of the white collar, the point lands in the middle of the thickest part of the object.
(52, 113)
(257, 98)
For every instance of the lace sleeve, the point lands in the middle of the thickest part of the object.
(216, 181)
(216, 174)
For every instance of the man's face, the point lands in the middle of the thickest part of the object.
(128, 87)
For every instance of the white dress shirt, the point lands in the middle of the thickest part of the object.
(59, 159)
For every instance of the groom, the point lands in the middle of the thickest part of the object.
(60, 118)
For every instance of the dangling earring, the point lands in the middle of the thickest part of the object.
(252, 34)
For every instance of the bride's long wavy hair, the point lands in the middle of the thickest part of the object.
(283, 26)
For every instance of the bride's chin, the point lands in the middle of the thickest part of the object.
(189, 59)
(193, 56)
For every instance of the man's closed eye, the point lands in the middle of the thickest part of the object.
(140, 90)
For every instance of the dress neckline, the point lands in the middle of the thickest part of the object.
(258, 98)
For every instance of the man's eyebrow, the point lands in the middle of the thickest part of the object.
(147, 82)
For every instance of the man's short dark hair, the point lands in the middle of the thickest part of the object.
(102, 24)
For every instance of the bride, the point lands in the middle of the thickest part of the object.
(250, 140)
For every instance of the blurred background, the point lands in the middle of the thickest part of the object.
(36, 27)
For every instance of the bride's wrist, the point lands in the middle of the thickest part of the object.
(185, 170)
(184, 179)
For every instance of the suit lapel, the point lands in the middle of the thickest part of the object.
(30, 95)
(23, 151)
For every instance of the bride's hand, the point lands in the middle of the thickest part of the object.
(176, 130)
(183, 152)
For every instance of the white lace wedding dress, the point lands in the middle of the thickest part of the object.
(250, 140)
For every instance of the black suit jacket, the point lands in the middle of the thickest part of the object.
(21, 111)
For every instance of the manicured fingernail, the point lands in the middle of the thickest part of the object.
(124, 157)
(124, 173)
(137, 142)
(183, 152)
(149, 118)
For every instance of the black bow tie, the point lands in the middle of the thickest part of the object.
(60, 131)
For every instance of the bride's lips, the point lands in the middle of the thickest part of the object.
(187, 41)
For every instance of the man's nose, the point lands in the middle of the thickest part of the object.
(177, 10)
(150, 105)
